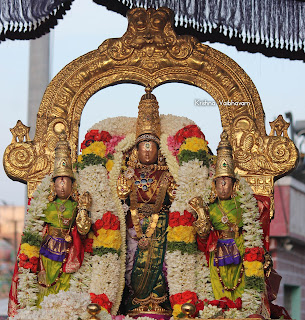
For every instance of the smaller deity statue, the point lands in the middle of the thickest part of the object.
(66, 222)
(221, 230)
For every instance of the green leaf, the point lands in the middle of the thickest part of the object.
(181, 246)
(91, 159)
(31, 239)
(100, 251)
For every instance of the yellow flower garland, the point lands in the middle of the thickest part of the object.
(97, 147)
(254, 268)
(30, 251)
(107, 238)
(186, 234)
(194, 144)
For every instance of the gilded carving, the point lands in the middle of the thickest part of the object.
(151, 54)
(261, 154)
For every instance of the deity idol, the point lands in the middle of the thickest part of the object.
(61, 251)
(230, 233)
(52, 242)
(147, 187)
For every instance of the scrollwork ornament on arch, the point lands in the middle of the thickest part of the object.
(19, 158)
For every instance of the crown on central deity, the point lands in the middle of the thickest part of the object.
(148, 122)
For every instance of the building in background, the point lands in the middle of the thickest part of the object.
(287, 240)
(11, 227)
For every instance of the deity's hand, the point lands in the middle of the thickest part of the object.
(171, 191)
(203, 224)
(123, 188)
(85, 201)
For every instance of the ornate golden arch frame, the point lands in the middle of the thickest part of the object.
(151, 54)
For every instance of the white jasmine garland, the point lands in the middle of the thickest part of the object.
(39, 202)
(210, 312)
(193, 180)
(114, 125)
(27, 288)
(28, 284)
(170, 124)
(203, 279)
(106, 267)
(180, 272)
(94, 179)
(66, 304)
(80, 281)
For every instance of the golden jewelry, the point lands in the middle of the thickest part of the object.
(148, 121)
(144, 239)
(224, 161)
(52, 194)
(62, 161)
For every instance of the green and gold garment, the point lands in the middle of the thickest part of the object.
(53, 248)
(229, 273)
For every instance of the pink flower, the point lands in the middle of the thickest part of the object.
(112, 143)
(173, 145)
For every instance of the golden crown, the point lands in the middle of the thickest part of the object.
(63, 162)
(224, 162)
(148, 122)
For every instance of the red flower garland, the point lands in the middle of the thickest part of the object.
(224, 303)
(254, 254)
(95, 135)
(181, 298)
(175, 219)
(102, 300)
(26, 263)
(108, 221)
(188, 132)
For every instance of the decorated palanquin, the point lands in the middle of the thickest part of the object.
(142, 256)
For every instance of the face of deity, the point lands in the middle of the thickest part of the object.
(63, 187)
(224, 187)
(147, 152)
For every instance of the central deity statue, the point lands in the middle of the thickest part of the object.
(147, 188)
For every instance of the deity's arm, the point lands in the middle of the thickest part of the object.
(203, 224)
(83, 221)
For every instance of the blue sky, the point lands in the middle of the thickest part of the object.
(279, 82)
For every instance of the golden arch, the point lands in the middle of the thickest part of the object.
(151, 54)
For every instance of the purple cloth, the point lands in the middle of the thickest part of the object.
(54, 248)
(227, 252)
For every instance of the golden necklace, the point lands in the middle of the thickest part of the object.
(144, 239)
